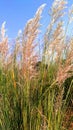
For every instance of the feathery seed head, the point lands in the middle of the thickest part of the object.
(3, 31)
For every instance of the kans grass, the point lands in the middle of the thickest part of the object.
(34, 95)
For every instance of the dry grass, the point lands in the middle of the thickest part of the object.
(29, 94)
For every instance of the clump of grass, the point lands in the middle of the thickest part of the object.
(32, 93)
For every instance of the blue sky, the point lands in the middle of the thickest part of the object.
(17, 12)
